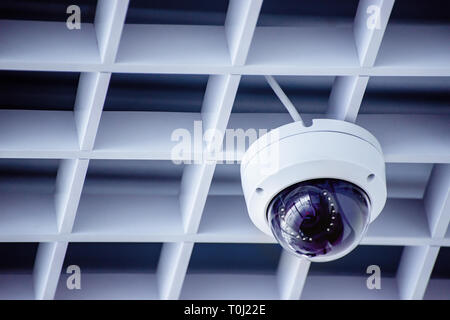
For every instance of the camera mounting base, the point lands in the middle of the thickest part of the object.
(294, 153)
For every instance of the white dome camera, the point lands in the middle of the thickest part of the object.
(316, 188)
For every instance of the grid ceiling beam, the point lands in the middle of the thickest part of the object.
(346, 97)
(124, 135)
(221, 237)
(91, 95)
(47, 269)
(370, 23)
(393, 65)
(371, 20)
(172, 267)
(437, 200)
(109, 21)
(414, 271)
(50, 46)
(417, 263)
(240, 24)
(195, 184)
(69, 184)
(291, 276)
(216, 109)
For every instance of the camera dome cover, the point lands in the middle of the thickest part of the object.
(319, 217)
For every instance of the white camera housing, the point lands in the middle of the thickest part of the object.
(328, 149)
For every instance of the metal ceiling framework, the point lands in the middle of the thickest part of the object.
(225, 53)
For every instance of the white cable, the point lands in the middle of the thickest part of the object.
(284, 98)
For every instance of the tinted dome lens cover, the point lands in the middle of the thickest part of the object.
(319, 217)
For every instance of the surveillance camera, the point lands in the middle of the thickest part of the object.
(315, 189)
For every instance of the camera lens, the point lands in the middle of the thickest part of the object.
(319, 217)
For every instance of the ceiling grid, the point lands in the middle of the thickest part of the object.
(195, 215)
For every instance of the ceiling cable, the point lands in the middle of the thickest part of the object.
(284, 98)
